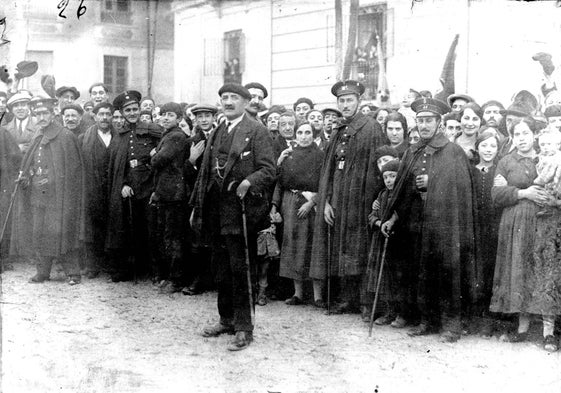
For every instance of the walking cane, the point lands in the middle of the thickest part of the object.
(328, 269)
(10, 206)
(132, 259)
(378, 286)
(246, 249)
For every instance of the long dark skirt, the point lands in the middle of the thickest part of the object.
(297, 238)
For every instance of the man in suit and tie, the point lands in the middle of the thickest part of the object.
(237, 168)
(21, 127)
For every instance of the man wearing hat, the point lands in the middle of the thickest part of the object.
(67, 95)
(170, 198)
(349, 183)
(95, 144)
(457, 101)
(330, 116)
(553, 116)
(72, 118)
(22, 127)
(48, 213)
(258, 93)
(433, 201)
(301, 108)
(130, 185)
(237, 170)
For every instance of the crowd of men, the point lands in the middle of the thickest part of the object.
(165, 192)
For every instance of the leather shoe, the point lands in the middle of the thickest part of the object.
(293, 301)
(514, 337)
(74, 280)
(240, 341)
(399, 322)
(319, 303)
(37, 279)
(423, 329)
(217, 330)
(383, 320)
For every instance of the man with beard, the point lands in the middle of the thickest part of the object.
(237, 170)
(493, 118)
(349, 184)
(95, 144)
(118, 121)
(330, 116)
(258, 93)
(72, 118)
(433, 199)
(22, 127)
(48, 214)
(169, 198)
(315, 118)
(130, 185)
(272, 120)
(10, 159)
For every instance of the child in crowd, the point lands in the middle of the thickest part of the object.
(549, 166)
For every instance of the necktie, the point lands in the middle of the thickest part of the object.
(20, 127)
(228, 125)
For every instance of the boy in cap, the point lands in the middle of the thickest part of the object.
(433, 200)
(169, 198)
(48, 213)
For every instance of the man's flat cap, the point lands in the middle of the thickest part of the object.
(103, 105)
(430, 105)
(257, 85)
(347, 87)
(76, 107)
(203, 108)
(18, 97)
(235, 88)
(126, 98)
(61, 90)
(453, 97)
(172, 107)
(336, 111)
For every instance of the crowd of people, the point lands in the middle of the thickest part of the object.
(447, 213)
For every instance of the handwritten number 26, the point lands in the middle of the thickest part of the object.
(64, 3)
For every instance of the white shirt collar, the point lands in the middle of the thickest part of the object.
(235, 122)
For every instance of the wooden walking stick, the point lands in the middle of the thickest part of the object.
(131, 257)
(328, 269)
(378, 286)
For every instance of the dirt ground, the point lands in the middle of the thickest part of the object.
(106, 337)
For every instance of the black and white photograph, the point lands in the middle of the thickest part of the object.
(280, 196)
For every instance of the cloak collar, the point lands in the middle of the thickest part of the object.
(437, 142)
(49, 133)
(354, 124)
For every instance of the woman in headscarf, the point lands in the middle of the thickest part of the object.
(294, 196)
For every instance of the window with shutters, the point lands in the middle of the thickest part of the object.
(116, 11)
(115, 73)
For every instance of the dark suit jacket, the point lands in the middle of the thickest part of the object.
(24, 140)
(251, 158)
(167, 164)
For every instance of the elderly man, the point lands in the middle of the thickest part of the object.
(130, 185)
(258, 93)
(72, 118)
(433, 199)
(348, 186)
(48, 215)
(95, 144)
(237, 171)
(22, 127)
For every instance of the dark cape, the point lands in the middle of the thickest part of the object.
(10, 159)
(96, 163)
(118, 156)
(446, 222)
(65, 213)
(359, 187)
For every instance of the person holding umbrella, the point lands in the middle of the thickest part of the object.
(230, 203)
